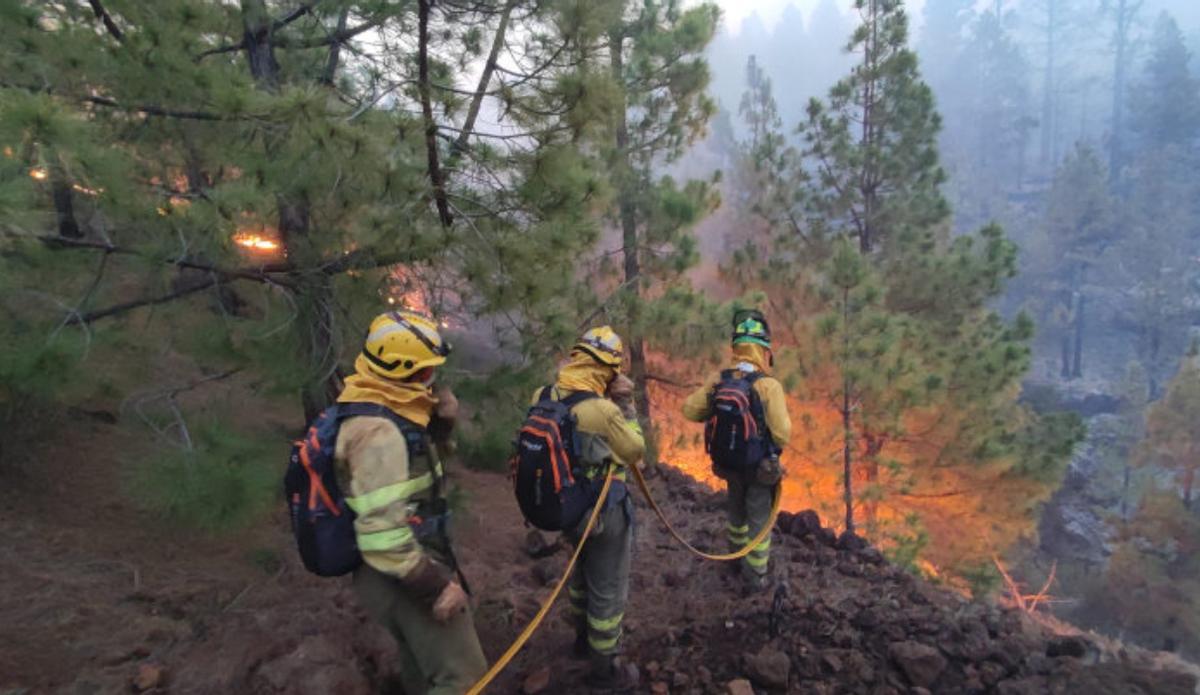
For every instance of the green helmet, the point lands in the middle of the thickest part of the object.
(750, 326)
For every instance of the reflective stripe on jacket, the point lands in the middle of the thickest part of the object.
(384, 489)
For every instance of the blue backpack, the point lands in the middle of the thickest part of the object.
(321, 521)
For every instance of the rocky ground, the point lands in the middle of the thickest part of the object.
(96, 597)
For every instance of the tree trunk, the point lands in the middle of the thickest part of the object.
(1077, 364)
(627, 192)
(867, 176)
(1047, 125)
(1125, 14)
(847, 421)
(847, 457)
(436, 178)
(314, 320)
(64, 209)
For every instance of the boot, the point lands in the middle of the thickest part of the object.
(754, 583)
(580, 649)
(608, 675)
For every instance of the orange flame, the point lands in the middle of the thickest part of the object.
(39, 174)
(256, 242)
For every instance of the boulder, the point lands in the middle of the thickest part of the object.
(769, 667)
(921, 663)
(740, 686)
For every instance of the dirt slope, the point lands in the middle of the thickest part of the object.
(96, 597)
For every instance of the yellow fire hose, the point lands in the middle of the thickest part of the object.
(545, 609)
(737, 555)
(533, 625)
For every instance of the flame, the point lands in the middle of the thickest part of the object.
(39, 174)
(256, 242)
(87, 191)
(8, 151)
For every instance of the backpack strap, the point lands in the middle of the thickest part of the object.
(577, 397)
(407, 427)
(547, 394)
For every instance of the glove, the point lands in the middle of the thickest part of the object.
(620, 391)
(620, 388)
(452, 601)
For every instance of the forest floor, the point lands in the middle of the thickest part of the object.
(97, 596)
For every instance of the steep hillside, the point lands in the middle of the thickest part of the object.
(96, 597)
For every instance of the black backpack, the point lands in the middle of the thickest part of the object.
(551, 486)
(735, 436)
(321, 521)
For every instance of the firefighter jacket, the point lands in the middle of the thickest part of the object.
(389, 490)
(748, 358)
(599, 416)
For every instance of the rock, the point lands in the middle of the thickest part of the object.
(659, 688)
(872, 556)
(148, 677)
(769, 667)
(1073, 646)
(803, 524)
(827, 537)
(537, 547)
(921, 663)
(851, 541)
(537, 681)
(543, 574)
(740, 686)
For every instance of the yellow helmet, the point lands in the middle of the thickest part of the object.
(402, 343)
(603, 345)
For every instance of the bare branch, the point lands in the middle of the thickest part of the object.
(123, 307)
(484, 80)
(103, 15)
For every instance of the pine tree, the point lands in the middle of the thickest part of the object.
(894, 336)
(1124, 16)
(1172, 441)
(1157, 213)
(1165, 108)
(1079, 223)
(990, 133)
(656, 62)
(873, 144)
(248, 183)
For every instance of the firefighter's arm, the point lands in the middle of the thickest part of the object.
(696, 405)
(774, 400)
(624, 436)
(379, 492)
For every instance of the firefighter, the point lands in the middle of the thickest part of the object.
(407, 581)
(599, 586)
(751, 489)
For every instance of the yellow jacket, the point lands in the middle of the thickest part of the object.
(599, 416)
(384, 487)
(750, 358)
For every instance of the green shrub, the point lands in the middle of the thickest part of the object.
(224, 481)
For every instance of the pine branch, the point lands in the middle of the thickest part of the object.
(258, 275)
(154, 110)
(103, 15)
(149, 109)
(337, 37)
(484, 80)
(303, 9)
(124, 307)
